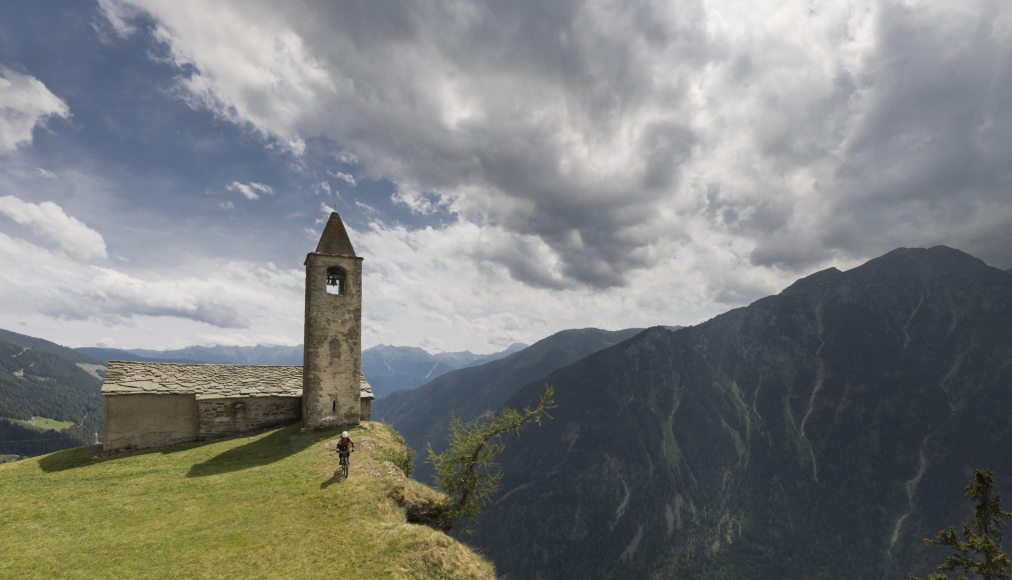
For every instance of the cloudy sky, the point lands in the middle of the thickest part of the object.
(507, 169)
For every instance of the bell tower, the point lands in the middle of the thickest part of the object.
(332, 361)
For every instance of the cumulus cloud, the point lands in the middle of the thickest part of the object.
(241, 339)
(413, 280)
(50, 222)
(645, 163)
(576, 146)
(326, 210)
(251, 190)
(161, 288)
(345, 177)
(918, 149)
(119, 16)
(25, 102)
(585, 131)
(230, 295)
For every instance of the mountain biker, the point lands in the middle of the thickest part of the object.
(344, 443)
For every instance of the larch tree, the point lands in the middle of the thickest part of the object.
(466, 471)
(977, 549)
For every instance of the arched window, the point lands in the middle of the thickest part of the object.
(336, 280)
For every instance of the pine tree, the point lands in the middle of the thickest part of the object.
(979, 550)
(466, 471)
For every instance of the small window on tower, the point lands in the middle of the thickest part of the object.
(335, 281)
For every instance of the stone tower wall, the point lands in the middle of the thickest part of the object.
(333, 344)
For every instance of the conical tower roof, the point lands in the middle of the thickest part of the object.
(335, 238)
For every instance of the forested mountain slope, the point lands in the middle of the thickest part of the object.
(40, 379)
(422, 414)
(819, 433)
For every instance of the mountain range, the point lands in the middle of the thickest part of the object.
(260, 354)
(818, 433)
(388, 368)
(399, 368)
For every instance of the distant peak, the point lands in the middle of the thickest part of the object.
(335, 238)
(935, 257)
(901, 264)
(387, 348)
(932, 251)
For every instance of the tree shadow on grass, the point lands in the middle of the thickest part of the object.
(261, 451)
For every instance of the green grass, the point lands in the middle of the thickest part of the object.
(43, 424)
(4, 458)
(266, 505)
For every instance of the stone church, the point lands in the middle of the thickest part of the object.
(157, 404)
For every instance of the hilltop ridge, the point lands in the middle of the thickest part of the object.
(267, 504)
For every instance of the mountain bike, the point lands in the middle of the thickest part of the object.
(345, 462)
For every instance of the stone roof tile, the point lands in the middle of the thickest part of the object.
(205, 381)
(365, 389)
(209, 381)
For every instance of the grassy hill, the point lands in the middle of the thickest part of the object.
(266, 505)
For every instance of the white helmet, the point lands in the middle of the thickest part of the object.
(344, 433)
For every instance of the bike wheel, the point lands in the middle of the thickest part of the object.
(344, 470)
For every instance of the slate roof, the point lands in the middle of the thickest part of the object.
(365, 391)
(209, 381)
(335, 238)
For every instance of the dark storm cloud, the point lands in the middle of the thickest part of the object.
(696, 154)
(545, 119)
(602, 130)
(927, 157)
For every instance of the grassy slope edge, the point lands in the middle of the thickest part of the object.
(264, 505)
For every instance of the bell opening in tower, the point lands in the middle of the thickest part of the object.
(335, 281)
